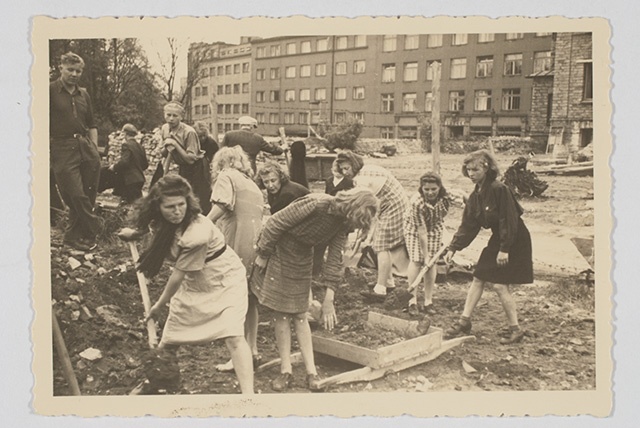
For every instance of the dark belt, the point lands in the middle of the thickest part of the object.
(216, 254)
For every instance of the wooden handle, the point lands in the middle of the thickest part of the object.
(63, 355)
(432, 261)
(144, 291)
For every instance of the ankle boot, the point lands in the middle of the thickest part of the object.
(462, 326)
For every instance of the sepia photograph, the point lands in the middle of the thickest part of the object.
(402, 208)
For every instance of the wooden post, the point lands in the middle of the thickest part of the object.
(435, 117)
(63, 356)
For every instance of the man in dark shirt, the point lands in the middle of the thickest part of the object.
(73, 138)
(251, 142)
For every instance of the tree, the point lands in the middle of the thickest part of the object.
(168, 74)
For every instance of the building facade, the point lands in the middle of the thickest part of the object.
(385, 81)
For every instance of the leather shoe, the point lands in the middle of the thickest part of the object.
(460, 327)
(282, 382)
(515, 337)
(313, 382)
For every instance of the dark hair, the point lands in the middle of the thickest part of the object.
(148, 215)
(354, 159)
(432, 177)
(486, 159)
(271, 167)
(71, 58)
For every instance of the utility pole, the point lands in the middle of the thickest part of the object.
(435, 117)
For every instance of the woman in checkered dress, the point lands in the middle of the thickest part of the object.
(281, 278)
(388, 232)
(423, 225)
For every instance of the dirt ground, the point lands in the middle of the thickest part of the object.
(99, 306)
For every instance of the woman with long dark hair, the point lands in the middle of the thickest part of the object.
(207, 289)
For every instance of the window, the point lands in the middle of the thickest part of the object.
(320, 94)
(236, 126)
(290, 95)
(386, 132)
(434, 40)
(305, 70)
(341, 42)
(245, 88)
(541, 61)
(261, 74)
(303, 118)
(305, 47)
(359, 66)
(205, 91)
(321, 69)
(322, 44)
(389, 42)
(510, 99)
(358, 93)
(274, 50)
(227, 127)
(340, 94)
(245, 108)
(410, 72)
(260, 96)
(456, 100)
(411, 42)
(514, 36)
(212, 71)
(290, 72)
(360, 41)
(220, 108)
(197, 109)
(484, 66)
(513, 64)
(220, 70)
(198, 91)
(387, 103)
(261, 52)
(388, 73)
(236, 88)
(274, 73)
(458, 68)
(236, 68)
(341, 68)
(227, 89)
(428, 101)
(220, 90)
(227, 108)
(587, 82)
(359, 116)
(459, 39)
(227, 69)
(305, 94)
(274, 118)
(291, 48)
(260, 117)
(204, 72)
(274, 96)
(339, 117)
(542, 34)
(289, 118)
(245, 67)
(409, 102)
(482, 100)
(236, 109)
(220, 128)
(430, 68)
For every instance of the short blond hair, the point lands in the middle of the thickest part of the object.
(231, 157)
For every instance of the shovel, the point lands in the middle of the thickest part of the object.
(399, 297)
(352, 256)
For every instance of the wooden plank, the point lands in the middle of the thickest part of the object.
(296, 358)
(409, 348)
(343, 350)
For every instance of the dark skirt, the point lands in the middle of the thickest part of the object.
(284, 286)
(519, 270)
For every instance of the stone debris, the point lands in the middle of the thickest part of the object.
(74, 263)
(111, 314)
(91, 354)
(468, 368)
(101, 271)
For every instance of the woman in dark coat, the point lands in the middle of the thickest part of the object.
(131, 166)
(282, 275)
(281, 191)
(507, 258)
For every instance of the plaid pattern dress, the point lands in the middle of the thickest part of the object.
(287, 240)
(421, 215)
(388, 232)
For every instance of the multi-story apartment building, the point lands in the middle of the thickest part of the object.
(385, 81)
(222, 94)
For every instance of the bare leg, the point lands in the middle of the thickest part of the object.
(243, 366)
(251, 325)
(303, 333)
(412, 273)
(282, 327)
(508, 304)
(473, 297)
(429, 282)
(384, 272)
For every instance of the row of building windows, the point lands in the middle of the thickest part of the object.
(233, 108)
(510, 101)
(228, 69)
(302, 118)
(389, 43)
(319, 94)
(236, 88)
